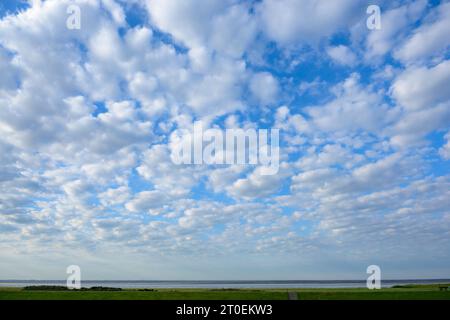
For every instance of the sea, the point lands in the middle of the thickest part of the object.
(218, 284)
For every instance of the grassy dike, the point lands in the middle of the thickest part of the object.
(410, 292)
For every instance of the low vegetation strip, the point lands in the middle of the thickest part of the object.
(407, 292)
(64, 288)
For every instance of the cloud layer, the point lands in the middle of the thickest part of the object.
(87, 116)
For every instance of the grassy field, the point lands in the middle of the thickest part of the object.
(413, 292)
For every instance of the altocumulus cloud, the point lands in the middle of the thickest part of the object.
(86, 118)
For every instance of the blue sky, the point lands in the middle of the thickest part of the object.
(89, 117)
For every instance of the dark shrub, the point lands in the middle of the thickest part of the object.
(46, 288)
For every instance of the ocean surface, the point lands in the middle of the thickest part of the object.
(222, 284)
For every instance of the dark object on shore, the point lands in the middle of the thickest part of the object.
(441, 287)
(101, 289)
(46, 288)
(225, 289)
(147, 290)
(63, 288)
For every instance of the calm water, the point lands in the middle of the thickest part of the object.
(222, 284)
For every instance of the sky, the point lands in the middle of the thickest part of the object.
(88, 118)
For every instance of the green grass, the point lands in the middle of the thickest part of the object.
(161, 294)
(410, 292)
(383, 294)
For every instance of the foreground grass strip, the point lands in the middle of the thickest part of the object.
(409, 292)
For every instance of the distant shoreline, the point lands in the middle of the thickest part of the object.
(218, 284)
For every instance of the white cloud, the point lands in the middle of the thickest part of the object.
(429, 39)
(414, 126)
(166, 176)
(422, 93)
(233, 31)
(219, 90)
(353, 108)
(293, 22)
(420, 87)
(223, 177)
(331, 154)
(144, 201)
(114, 196)
(444, 151)
(257, 185)
(342, 55)
(395, 24)
(188, 21)
(224, 26)
(264, 87)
